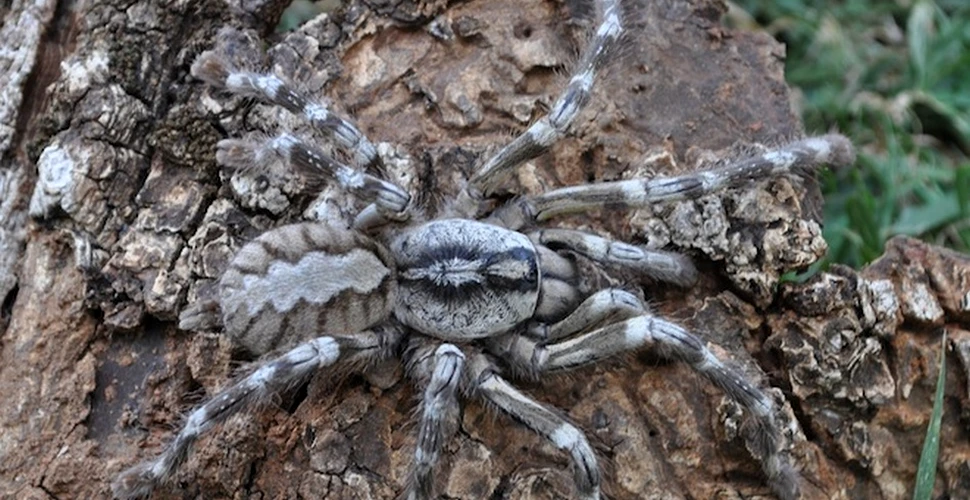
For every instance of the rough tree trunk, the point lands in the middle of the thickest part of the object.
(113, 214)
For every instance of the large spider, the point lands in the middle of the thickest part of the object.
(467, 300)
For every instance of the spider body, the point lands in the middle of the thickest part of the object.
(453, 280)
(464, 300)
(303, 278)
(461, 280)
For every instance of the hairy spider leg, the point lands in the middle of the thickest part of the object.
(612, 304)
(797, 157)
(671, 340)
(313, 162)
(547, 422)
(539, 137)
(669, 267)
(390, 200)
(215, 69)
(441, 374)
(257, 388)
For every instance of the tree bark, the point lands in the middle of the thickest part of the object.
(113, 215)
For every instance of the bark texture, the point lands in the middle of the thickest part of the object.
(113, 214)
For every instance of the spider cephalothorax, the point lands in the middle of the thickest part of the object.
(467, 298)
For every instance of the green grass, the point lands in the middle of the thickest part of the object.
(895, 78)
(926, 473)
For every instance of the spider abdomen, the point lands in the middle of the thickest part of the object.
(461, 279)
(301, 281)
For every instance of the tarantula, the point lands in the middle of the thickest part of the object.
(467, 298)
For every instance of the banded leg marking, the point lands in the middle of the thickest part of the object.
(544, 133)
(313, 163)
(612, 303)
(676, 342)
(799, 157)
(566, 436)
(290, 369)
(215, 70)
(527, 354)
(439, 417)
(669, 267)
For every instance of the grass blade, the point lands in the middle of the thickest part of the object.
(920, 31)
(926, 474)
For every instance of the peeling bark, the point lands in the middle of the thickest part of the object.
(108, 144)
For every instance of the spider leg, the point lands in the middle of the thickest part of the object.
(290, 369)
(216, 70)
(673, 340)
(390, 200)
(559, 286)
(610, 304)
(310, 160)
(799, 156)
(541, 419)
(603, 307)
(374, 215)
(669, 267)
(439, 415)
(550, 128)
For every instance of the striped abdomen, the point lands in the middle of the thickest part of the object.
(302, 281)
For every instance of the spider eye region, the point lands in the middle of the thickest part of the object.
(460, 279)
